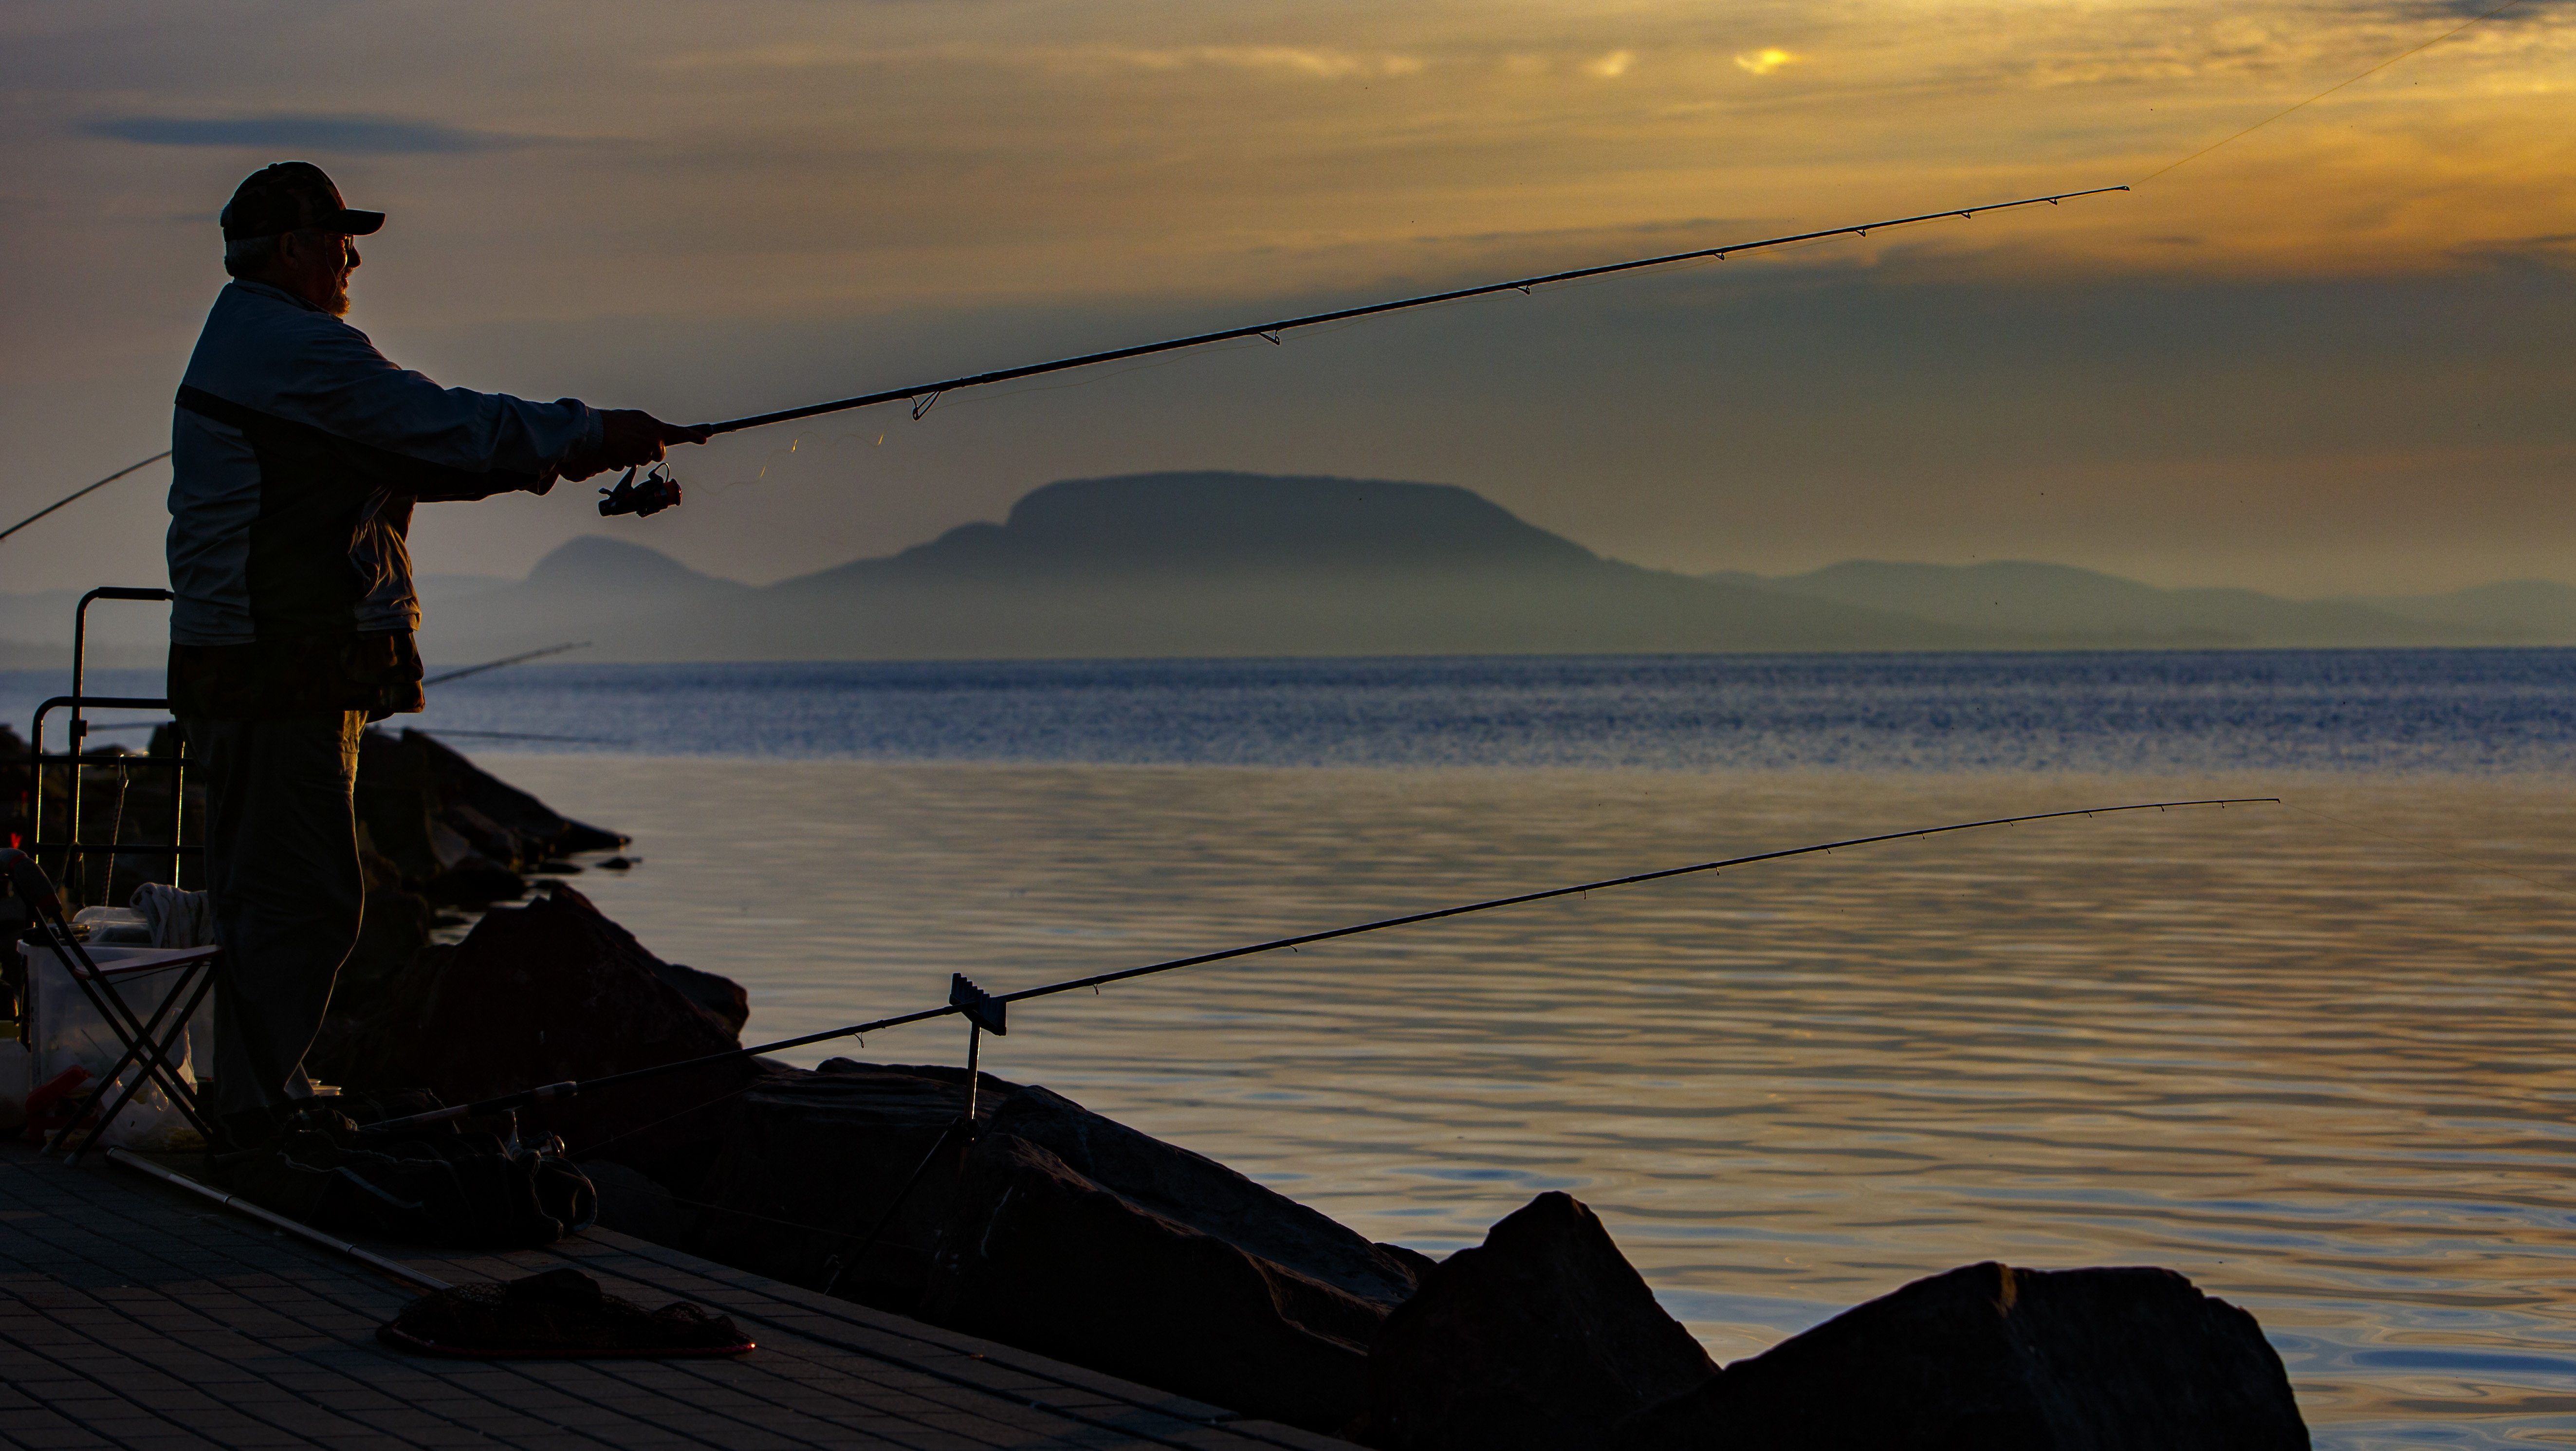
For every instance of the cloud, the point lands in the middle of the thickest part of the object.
(1611, 66)
(1313, 62)
(2556, 250)
(1763, 62)
(356, 135)
(1301, 60)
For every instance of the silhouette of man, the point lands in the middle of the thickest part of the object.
(297, 454)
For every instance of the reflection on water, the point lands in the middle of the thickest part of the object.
(2319, 1057)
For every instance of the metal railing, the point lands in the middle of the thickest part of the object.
(68, 858)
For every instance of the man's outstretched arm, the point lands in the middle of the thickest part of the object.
(357, 393)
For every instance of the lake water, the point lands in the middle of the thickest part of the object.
(2319, 1056)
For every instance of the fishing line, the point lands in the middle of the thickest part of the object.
(2330, 90)
(81, 493)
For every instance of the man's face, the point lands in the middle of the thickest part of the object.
(316, 267)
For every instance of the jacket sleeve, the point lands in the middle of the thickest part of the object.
(345, 387)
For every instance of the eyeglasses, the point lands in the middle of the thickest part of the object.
(348, 244)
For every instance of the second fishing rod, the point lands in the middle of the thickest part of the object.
(989, 1012)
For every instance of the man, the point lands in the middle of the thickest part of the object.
(297, 454)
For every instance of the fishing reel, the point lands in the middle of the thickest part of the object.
(649, 495)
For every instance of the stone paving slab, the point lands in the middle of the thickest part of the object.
(134, 1316)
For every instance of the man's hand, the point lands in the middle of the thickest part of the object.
(628, 437)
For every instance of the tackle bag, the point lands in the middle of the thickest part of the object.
(434, 1185)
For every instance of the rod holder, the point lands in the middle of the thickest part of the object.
(981, 1008)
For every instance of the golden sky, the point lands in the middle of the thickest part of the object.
(2330, 355)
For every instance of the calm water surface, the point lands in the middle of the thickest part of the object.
(2319, 1057)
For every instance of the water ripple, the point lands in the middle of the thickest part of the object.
(2328, 1074)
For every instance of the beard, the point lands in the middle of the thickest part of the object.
(339, 305)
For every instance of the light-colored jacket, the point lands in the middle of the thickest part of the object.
(296, 456)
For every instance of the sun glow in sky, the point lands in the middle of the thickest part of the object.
(2329, 356)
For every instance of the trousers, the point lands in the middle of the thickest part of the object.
(282, 872)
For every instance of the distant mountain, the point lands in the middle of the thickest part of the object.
(595, 589)
(2079, 607)
(1192, 564)
(1199, 524)
(1183, 564)
(2534, 610)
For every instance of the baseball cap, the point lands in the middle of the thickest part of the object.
(287, 197)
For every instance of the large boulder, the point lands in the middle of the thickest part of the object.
(1198, 1191)
(554, 991)
(1989, 1356)
(1057, 1229)
(1536, 1339)
(460, 835)
(1037, 1255)
(814, 1162)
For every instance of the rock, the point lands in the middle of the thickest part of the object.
(1990, 1356)
(483, 836)
(474, 881)
(813, 1161)
(1536, 1339)
(460, 835)
(714, 994)
(1059, 1230)
(1207, 1196)
(1037, 1255)
(553, 991)
(462, 787)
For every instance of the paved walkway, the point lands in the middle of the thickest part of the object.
(134, 1316)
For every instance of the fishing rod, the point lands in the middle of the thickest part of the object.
(986, 1012)
(630, 496)
(81, 493)
(506, 660)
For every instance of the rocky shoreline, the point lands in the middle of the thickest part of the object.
(1064, 1232)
